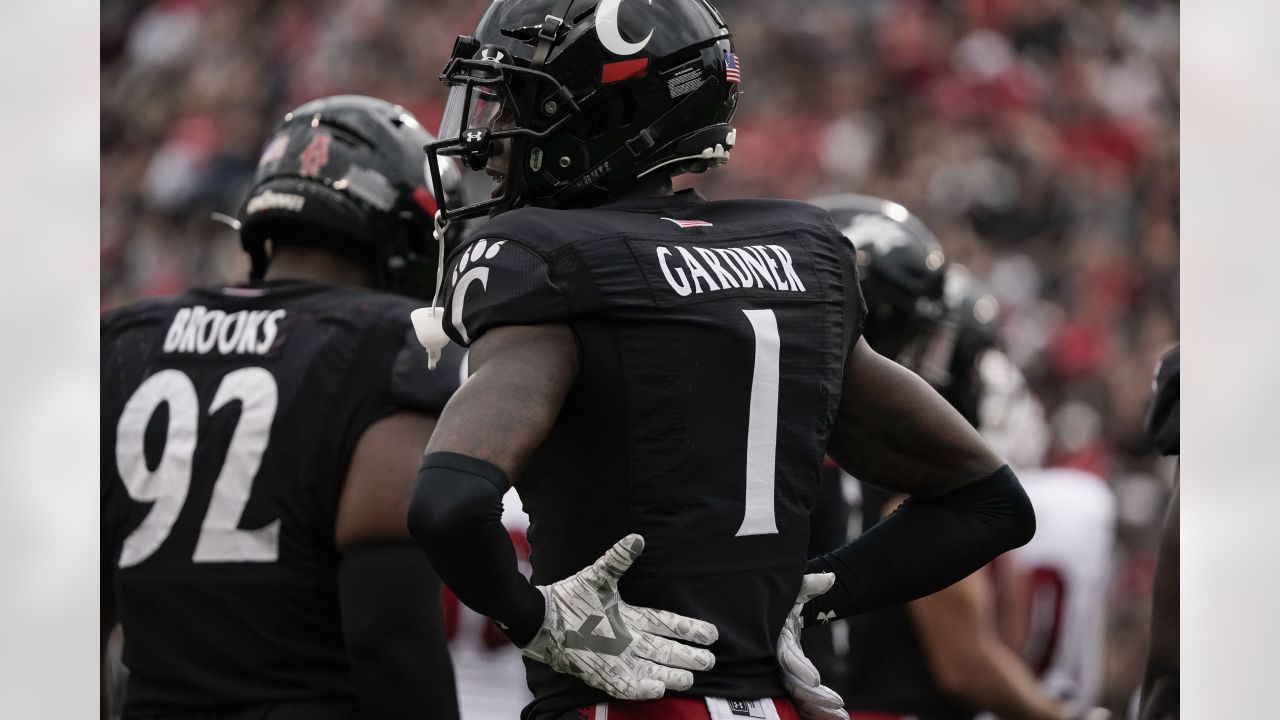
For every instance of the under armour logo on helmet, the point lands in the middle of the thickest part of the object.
(474, 136)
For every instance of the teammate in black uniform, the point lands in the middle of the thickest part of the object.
(942, 657)
(902, 269)
(928, 315)
(661, 365)
(1161, 685)
(259, 443)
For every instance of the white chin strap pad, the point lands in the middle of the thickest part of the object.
(428, 323)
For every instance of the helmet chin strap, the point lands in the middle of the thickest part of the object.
(428, 322)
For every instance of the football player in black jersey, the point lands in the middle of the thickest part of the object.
(940, 657)
(259, 444)
(1161, 684)
(667, 370)
(935, 319)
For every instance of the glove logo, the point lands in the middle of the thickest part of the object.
(827, 616)
(584, 639)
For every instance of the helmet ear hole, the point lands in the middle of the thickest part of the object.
(599, 121)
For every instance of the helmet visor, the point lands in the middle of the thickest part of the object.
(477, 97)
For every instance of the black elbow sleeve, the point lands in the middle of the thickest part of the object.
(1024, 514)
(456, 516)
(996, 505)
(448, 499)
(927, 544)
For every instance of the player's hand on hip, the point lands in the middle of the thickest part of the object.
(631, 653)
(812, 699)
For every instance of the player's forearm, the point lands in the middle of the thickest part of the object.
(896, 432)
(456, 516)
(924, 546)
(395, 642)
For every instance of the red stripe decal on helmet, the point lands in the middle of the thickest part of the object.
(624, 70)
(425, 201)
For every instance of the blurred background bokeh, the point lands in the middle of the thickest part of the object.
(1038, 138)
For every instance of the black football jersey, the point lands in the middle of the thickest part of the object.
(1162, 421)
(229, 417)
(712, 339)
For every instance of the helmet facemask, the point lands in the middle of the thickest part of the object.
(488, 108)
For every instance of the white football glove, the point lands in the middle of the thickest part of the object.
(590, 633)
(813, 700)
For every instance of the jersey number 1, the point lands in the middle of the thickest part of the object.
(166, 486)
(762, 426)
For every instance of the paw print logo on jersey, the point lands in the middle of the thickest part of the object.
(468, 271)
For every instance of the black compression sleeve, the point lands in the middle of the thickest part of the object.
(394, 636)
(456, 515)
(926, 545)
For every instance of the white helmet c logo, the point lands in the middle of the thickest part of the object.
(607, 30)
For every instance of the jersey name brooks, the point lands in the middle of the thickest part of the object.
(201, 330)
(695, 270)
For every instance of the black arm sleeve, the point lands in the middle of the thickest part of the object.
(395, 640)
(926, 545)
(456, 515)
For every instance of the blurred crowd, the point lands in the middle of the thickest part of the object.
(1038, 138)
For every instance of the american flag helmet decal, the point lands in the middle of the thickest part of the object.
(732, 70)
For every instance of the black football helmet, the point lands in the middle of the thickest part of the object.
(586, 96)
(346, 173)
(902, 271)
